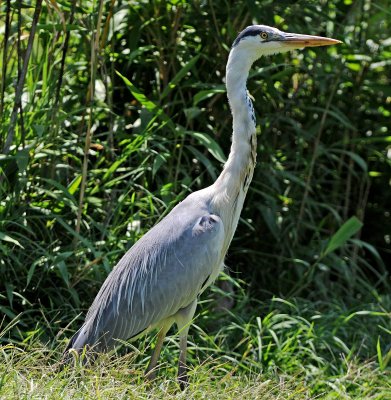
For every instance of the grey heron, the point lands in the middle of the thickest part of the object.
(158, 281)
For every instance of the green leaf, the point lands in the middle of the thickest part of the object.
(354, 66)
(178, 77)
(205, 161)
(7, 311)
(22, 159)
(345, 232)
(211, 145)
(379, 354)
(31, 272)
(148, 104)
(59, 27)
(336, 114)
(270, 220)
(358, 160)
(62, 267)
(157, 163)
(192, 112)
(74, 185)
(9, 239)
(370, 248)
(207, 94)
(375, 174)
(355, 157)
(10, 292)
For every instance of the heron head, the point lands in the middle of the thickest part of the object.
(262, 40)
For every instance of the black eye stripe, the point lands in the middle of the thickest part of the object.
(254, 30)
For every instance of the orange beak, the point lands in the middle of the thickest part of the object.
(298, 41)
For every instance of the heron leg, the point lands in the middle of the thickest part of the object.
(150, 373)
(183, 319)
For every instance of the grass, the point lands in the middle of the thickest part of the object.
(117, 380)
(29, 375)
(294, 350)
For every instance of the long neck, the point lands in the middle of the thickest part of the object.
(231, 186)
(238, 170)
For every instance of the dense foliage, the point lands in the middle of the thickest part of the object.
(112, 112)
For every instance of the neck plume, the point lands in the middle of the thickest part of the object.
(231, 186)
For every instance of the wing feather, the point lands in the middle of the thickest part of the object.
(162, 273)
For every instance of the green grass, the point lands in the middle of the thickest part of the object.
(29, 374)
(292, 350)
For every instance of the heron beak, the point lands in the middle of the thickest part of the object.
(298, 41)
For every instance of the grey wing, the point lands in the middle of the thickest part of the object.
(162, 273)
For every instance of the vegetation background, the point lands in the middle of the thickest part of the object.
(113, 111)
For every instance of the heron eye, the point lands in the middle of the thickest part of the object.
(263, 35)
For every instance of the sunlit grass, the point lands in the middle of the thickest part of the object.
(298, 350)
(32, 373)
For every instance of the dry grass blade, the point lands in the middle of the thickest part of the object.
(95, 50)
(5, 51)
(21, 80)
(64, 53)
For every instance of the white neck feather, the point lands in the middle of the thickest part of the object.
(231, 186)
(243, 136)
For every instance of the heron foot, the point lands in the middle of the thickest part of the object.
(183, 379)
(150, 375)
